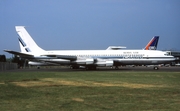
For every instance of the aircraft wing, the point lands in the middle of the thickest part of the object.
(19, 53)
(63, 57)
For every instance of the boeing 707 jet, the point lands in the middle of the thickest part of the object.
(90, 59)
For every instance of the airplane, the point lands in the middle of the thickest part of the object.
(90, 59)
(152, 45)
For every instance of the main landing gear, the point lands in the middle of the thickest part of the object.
(84, 67)
(156, 68)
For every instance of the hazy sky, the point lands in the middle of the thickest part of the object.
(91, 24)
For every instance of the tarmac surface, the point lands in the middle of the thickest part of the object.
(67, 69)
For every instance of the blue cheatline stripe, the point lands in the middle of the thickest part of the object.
(109, 57)
(22, 42)
(27, 50)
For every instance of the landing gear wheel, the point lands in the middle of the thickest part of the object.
(156, 68)
(116, 67)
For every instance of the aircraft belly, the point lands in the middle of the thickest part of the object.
(137, 62)
(141, 61)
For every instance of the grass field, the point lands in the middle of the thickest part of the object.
(89, 91)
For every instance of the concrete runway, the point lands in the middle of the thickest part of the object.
(67, 69)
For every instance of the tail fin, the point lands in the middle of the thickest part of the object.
(152, 45)
(27, 44)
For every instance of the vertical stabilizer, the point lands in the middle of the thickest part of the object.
(152, 45)
(22, 48)
(27, 44)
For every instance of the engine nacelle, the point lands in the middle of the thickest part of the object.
(32, 63)
(109, 63)
(87, 61)
(105, 63)
(36, 63)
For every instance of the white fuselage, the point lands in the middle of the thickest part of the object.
(106, 57)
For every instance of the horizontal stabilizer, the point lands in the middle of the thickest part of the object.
(19, 53)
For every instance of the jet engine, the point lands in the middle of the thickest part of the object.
(104, 63)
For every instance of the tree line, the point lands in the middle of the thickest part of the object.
(14, 59)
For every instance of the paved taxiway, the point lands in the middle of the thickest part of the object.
(67, 69)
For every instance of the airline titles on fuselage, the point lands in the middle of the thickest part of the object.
(132, 55)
